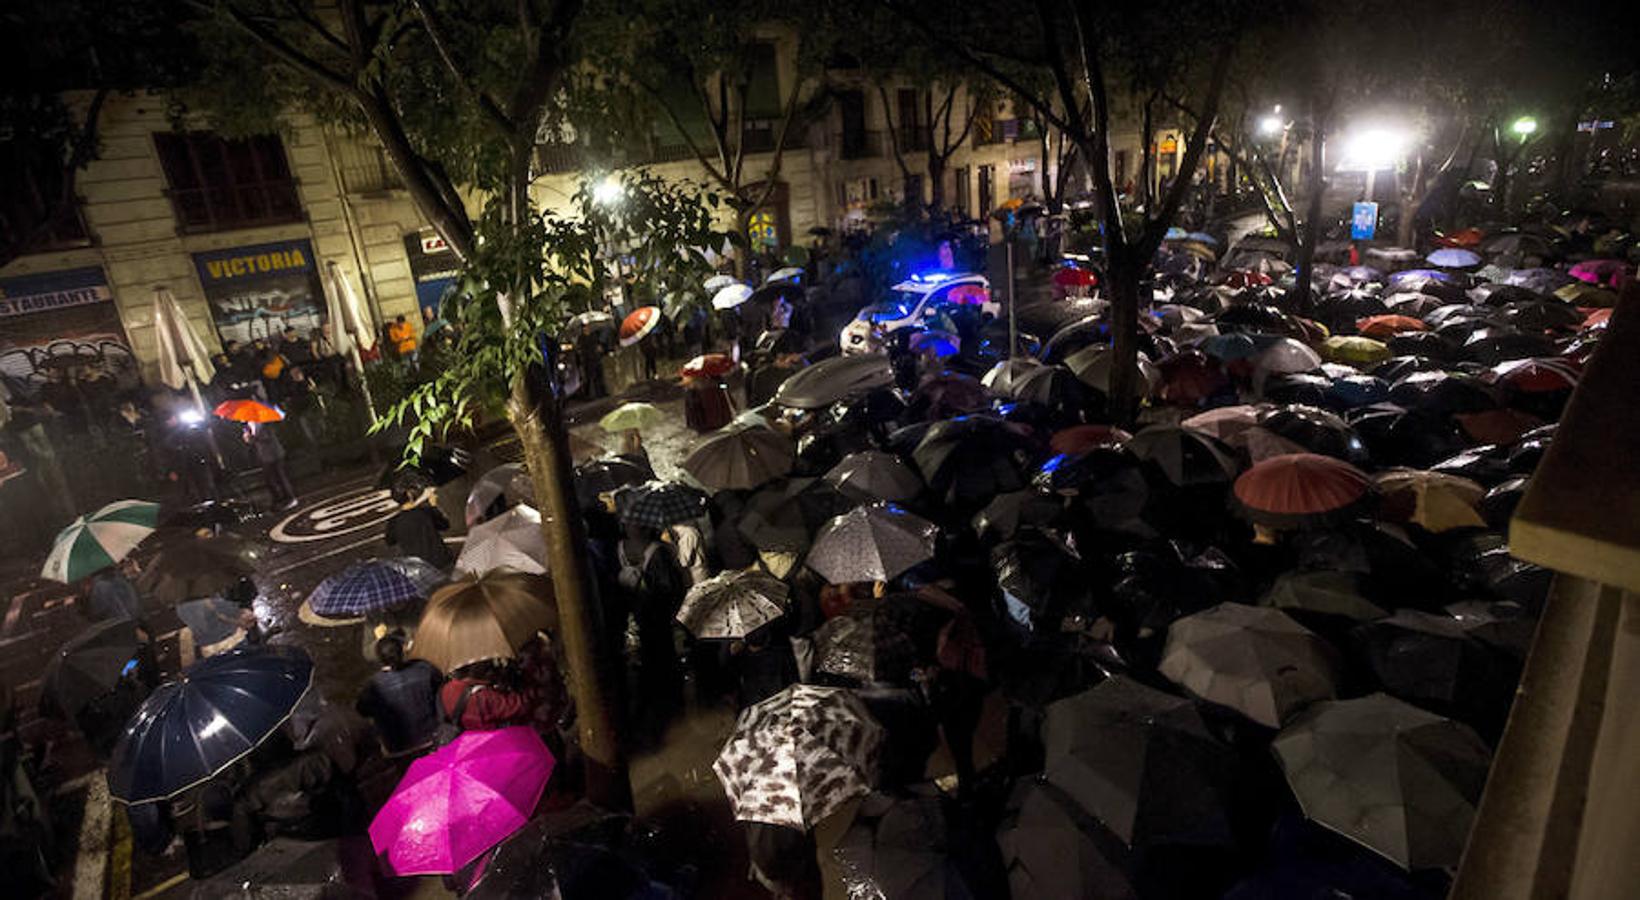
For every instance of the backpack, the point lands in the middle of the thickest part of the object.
(631, 576)
(449, 727)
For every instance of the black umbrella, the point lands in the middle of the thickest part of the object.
(287, 868)
(1427, 344)
(1006, 514)
(659, 504)
(1140, 761)
(1339, 311)
(1054, 388)
(1252, 317)
(970, 459)
(1495, 294)
(1498, 506)
(1041, 579)
(783, 516)
(1442, 392)
(1054, 665)
(606, 476)
(219, 710)
(438, 464)
(1506, 576)
(1316, 430)
(569, 855)
(1184, 456)
(89, 665)
(1398, 367)
(1433, 661)
(1487, 464)
(1542, 316)
(1525, 455)
(1297, 387)
(1051, 849)
(1491, 346)
(1394, 435)
(1322, 593)
(196, 568)
(907, 848)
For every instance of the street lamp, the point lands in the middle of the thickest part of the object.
(608, 192)
(1271, 125)
(1372, 149)
(1525, 127)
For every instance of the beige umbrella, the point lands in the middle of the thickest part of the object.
(1436, 500)
(486, 618)
(1400, 781)
(184, 360)
(1255, 660)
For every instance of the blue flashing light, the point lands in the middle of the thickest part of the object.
(932, 277)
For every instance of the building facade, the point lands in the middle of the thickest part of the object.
(240, 231)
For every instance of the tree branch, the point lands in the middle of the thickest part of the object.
(281, 48)
(893, 133)
(307, 18)
(683, 132)
(487, 105)
(1156, 227)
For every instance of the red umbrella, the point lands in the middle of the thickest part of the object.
(249, 411)
(1467, 237)
(1496, 426)
(1246, 278)
(637, 325)
(1071, 277)
(711, 365)
(1385, 327)
(1079, 439)
(1190, 377)
(1300, 489)
(1537, 376)
(1596, 318)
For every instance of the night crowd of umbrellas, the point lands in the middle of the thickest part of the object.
(1258, 645)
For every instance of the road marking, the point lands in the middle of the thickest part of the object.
(91, 865)
(334, 551)
(119, 867)
(335, 516)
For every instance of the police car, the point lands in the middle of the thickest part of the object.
(917, 303)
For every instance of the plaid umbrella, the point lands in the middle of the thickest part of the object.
(732, 605)
(875, 475)
(1255, 660)
(373, 585)
(794, 758)
(1402, 782)
(740, 458)
(96, 541)
(873, 543)
(659, 504)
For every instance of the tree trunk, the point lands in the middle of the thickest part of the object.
(452, 224)
(1304, 265)
(743, 241)
(536, 418)
(936, 180)
(1124, 277)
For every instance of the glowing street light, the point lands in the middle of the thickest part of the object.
(1525, 127)
(1271, 125)
(608, 192)
(1374, 149)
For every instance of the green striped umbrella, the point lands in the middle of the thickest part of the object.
(99, 540)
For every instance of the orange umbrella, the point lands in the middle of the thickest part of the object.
(637, 325)
(1300, 489)
(1385, 327)
(249, 411)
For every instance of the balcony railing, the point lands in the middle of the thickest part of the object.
(366, 169)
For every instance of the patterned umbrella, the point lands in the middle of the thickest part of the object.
(1300, 489)
(629, 416)
(512, 540)
(487, 618)
(219, 710)
(1140, 761)
(732, 605)
(876, 640)
(875, 475)
(638, 324)
(88, 665)
(659, 504)
(461, 800)
(740, 457)
(94, 542)
(248, 411)
(1401, 782)
(873, 543)
(372, 586)
(1255, 660)
(794, 758)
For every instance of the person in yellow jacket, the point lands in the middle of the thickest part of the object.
(403, 336)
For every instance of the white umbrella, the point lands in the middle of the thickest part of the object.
(717, 283)
(789, 273)
(347, 321)
(731, 296)
(512, 540)
(184, 361)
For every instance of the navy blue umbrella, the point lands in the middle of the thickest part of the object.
(219, 710)
(372, 586)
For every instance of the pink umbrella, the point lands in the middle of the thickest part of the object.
(1606, 272)
(461, 800)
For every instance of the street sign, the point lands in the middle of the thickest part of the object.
(1364, 221)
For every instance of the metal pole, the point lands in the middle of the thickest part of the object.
(364, 383)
